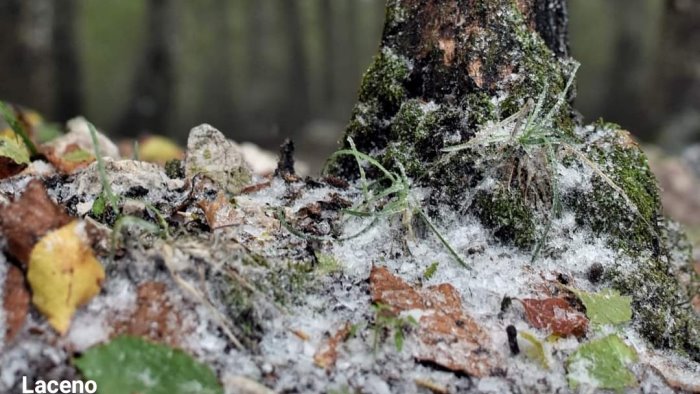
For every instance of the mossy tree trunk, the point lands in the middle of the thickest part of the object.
(459, 55)
(447, 70)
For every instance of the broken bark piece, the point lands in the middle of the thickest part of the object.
(555, 315)
(446, 335)
(327, 354)
(285, 164)
(24, 221)
(15, 302)
(210, 153)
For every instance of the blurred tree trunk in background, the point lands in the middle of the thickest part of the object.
(329, 42)
(625, 96)
(678, 75)
(25, 53)
(151, 103)
(219, 108)
(296, 113)
(67, 71)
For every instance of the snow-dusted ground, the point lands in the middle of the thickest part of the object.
(292, 331)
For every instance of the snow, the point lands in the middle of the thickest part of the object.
(285, 362)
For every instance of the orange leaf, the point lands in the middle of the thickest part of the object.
(556, 316)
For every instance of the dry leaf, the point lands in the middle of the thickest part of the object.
(155, 318)
(220, 212)
(24, 221)
(15, 302)
(446, 335)
(556, 316)
(70, 159)
(63, 274)
(327, 354)
(158, 149)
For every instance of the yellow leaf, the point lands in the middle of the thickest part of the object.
(63, 274)
(157, 149)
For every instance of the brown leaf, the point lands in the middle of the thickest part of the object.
(8, 167)
(327, 354)
(220, 212)
(555, 315)
(154, 318)
(15, 302)
(68, 159)
(447, 336)
(24, 221)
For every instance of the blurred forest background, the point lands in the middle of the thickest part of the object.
(262, 70)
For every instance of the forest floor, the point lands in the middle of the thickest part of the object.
(278, 283)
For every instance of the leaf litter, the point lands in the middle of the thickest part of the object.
(256, 282)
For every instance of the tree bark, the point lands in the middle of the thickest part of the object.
(677, 93)
(457, 54)
(67, 70)
(151, 103)
(25, 28)
(296, 112)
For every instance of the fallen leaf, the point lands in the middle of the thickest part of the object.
(75, 150)
(14, 156)
(13, 148)
(154, 318)
(327, 354)
(556, 316)
(133, 365)
(70, 159)
(158, 149)
(220, 212)
(534, 349)
(447, 336)
(15, 302)
(602, 363)
(606, 306)
(63, 274)
(27, 219)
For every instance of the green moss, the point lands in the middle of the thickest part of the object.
(658, 306)
(608, 212)
(384, 80)
(507, 214)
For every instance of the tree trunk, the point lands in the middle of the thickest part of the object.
(466, 75)
(151, 103)
(458, 54)
(25, 28)
(67, 73)
(677, 93)
(296, 112)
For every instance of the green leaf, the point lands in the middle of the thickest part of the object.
(602, 363)
(430, 271)
(133, 365)
(14, 150)
(78, 155)
(46, 132)
(9, 115)
(98, 206)
(606, 307)
(535, 349)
